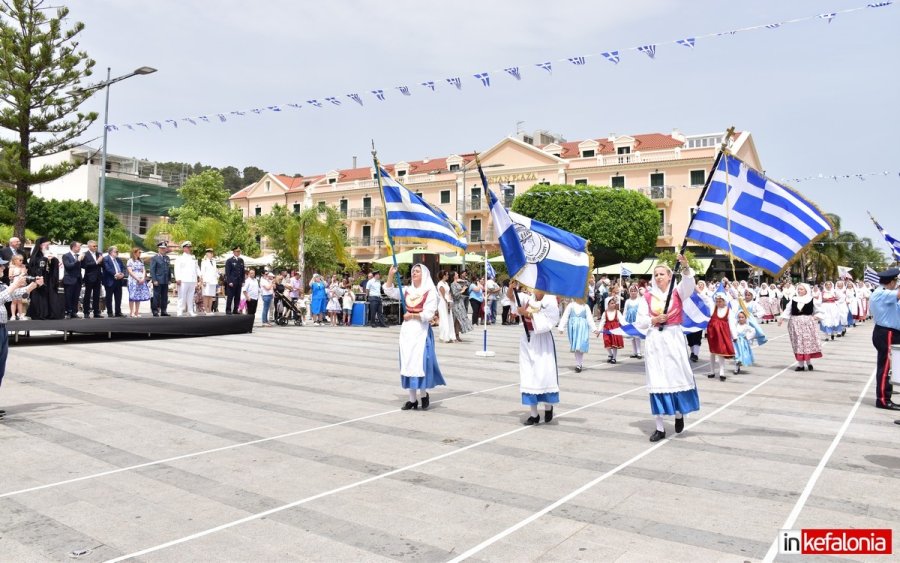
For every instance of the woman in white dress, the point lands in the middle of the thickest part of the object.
(445, 309)
(419, 370)
(827, 302)
(538, 373)
(209, 276)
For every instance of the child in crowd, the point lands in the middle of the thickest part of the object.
(17, 268)
(719, 336)
(744, 335)
(612, 318)
(631, 311)
(578, 322)
(347, 303)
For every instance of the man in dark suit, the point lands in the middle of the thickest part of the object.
(234, 281)
(72, 278)
(91, 262)
(113, 276)
(160, 276)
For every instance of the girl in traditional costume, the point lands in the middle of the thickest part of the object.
(578, 323)
(419, 370)
(632, 305)
(744, 334)
(720, 337)
(611, 319)
(830, 311)
(538, 373)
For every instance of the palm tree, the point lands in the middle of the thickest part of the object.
(822, 258)
(322, 221)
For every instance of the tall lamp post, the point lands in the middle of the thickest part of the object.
(106, 84)
(131, 214)
(462, 218)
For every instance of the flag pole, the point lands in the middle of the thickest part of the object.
(387, 231)
(484, 352)
(684, 242)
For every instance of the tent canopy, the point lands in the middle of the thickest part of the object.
(645, 267)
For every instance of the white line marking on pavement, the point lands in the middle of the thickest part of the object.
(240, 445)
(804, 496)
(601, 478)
(354, 484)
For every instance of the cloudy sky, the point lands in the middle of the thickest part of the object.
(819, 98)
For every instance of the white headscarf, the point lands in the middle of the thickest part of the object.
(802, 300)
(426, 283)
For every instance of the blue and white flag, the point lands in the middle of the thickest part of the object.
(489, 272)
(277, 108)
(159, 125)
(626, 273)
(429, 84)
(514, 72)
(773, 26)
(687, 42)
(892, 242)
(546, 66)
(485, 78)
(755, 219)
(695, 315)
(221, 116)
(410, 217)
(355, 98)
(404, 90)
(237, 113)
(316, 103)
(331, 99)
(258, 111)
(871, 276)
(295, 106)
(173, 122)
(540, 256)
(649, 50)
(456, 82)
(379, 94)
(189, 120)
(612, 56)
(828, 16)
(578, 61)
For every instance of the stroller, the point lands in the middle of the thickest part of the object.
(286, 310)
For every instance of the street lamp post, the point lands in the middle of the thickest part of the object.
(106, 84)
(462, 219)
(131, 214)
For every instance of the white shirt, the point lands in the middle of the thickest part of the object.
(186, 269)
(251, 289)
(208, 271)
(373, 288)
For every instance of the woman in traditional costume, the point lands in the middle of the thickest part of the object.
(419, 370)
(538, 373)
(632, 306)
(670, 379)
(800, 314)
(830, 311)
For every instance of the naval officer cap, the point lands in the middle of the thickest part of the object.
(163, 244)
(187, 243)
(888, 275)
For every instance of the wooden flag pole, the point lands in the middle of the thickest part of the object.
(677, 267)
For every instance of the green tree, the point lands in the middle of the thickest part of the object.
(233, 180)
(252, 175)
(668, 258)
(40, 91)
(621, 225)
(822, 258)
(321, 234)
(65, 220)
(204, 195)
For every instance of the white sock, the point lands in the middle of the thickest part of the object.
(615, 353)
(659, 423)
(534, 411)
(636, 345)
(678, 415)
(579, 358)
(412, 395)
(721, 365)
(695, 349)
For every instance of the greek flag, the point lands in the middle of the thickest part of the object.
(871, 276)
(514, 72)
(410, 217)
(489, 272)
(379, 94)
(626, 273)
(754, 218)
(429, 84)
(540, 256)
(649, 50)
(546, 66)
(484, 77)
(694, 318)
(892, 242)
(688, 42)
(612, 56)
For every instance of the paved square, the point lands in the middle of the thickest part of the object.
(288, 444)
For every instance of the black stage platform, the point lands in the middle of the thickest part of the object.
(201, 325)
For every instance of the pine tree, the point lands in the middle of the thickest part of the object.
(40, 74)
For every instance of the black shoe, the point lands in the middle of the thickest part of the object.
(679, 425)
(164, 315)
(889, 406)
(426, 400)
(711, 375)
(548, 415)
(640, 357)
(799, 368)
(694, 358)
(532, 420)
(633, 356)
(228, 313)
(657, 436)
(121, 316)
(577, 369)
(832, 337)
(2, 412)
(809, 367)
(722, 378)
(897, 422)
(98, 316)
(612, 360)
(414, 405)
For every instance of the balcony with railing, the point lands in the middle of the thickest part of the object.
(366, 212)
(665, 230)
(657, 193)
(638, 157)
(356, 242)
(475, 236)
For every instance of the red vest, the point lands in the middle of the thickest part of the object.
(673, 317)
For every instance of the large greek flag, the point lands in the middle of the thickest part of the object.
(894, 243)
(411, 217)
(694, 318)
(755, 219)
(871, 276)
(540, 256)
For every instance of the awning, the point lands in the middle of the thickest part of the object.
(645, 268)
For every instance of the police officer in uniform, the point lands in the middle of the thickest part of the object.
(234, 281)
(160, 276)
(885, 307)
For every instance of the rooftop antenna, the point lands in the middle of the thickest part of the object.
(519, 127)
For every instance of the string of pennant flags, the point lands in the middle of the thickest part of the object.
(862, 176)
(484, 78)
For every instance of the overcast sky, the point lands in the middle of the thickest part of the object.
(819, 98)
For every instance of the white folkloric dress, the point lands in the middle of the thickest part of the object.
(538, 374)
(445, 313)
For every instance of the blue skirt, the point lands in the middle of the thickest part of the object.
(579, 334)
(433, 376)
(668, 403)
(742, 352)
(533, 399)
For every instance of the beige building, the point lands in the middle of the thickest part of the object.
(670, 169)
